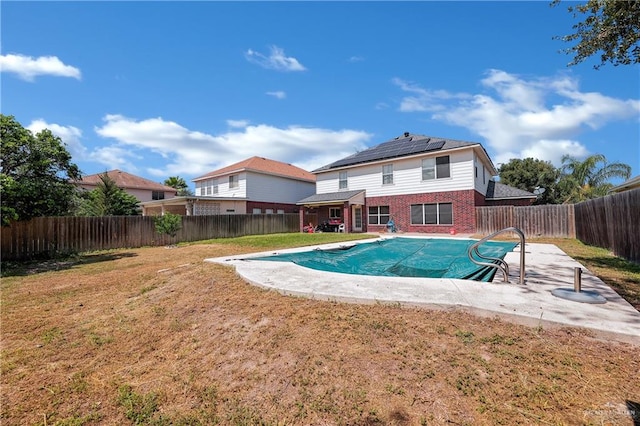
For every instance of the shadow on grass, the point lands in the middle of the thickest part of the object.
(15, 269)
(616, 263)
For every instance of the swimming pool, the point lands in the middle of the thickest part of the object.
(402, 257)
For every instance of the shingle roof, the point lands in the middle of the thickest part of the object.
(331, 197)
(125, 180)
(401, 146)
(499, 191)
(627, 185)
(262, 165)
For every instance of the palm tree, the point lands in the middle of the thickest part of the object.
(180, 184)
(583, 180)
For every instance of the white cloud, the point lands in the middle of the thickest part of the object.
(275, 61)
(421, 99)
(28, 67)
(518, 117)
(356, 58)
(70, 136)
(193, 153)
(115, 157)
(279, 94)
(237, 123)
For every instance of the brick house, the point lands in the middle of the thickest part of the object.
(256, 185)
(425, 184)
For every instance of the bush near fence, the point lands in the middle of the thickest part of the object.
(47, 237)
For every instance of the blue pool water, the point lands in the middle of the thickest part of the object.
(404, 257)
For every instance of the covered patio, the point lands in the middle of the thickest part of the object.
(336, 211)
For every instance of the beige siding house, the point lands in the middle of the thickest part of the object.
(141, 188)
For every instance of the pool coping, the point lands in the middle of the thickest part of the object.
(547, 268)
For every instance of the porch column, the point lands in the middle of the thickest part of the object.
(189, 207)
(346, 214)
(301, 217)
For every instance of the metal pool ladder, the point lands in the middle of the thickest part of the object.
(494, 261)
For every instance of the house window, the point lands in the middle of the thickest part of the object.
(215, 186)
(432, 214)
(378, 215)
(257, 211)
(280, 211)
(157, 195)
(436, 168)
(335, 213)
(233, 181)
(269, 211)
(342, 180)
(208, 187)
(387, 174)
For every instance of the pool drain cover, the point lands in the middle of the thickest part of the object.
(583, 296)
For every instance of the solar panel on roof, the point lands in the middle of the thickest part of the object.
(390, 149)
(435, 145)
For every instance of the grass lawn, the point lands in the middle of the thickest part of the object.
(157, 336)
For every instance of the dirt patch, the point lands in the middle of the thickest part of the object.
(157, 336)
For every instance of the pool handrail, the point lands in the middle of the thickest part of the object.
(499, 263)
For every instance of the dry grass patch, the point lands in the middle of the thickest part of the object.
(157, 336)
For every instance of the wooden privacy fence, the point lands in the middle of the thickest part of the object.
(611, 222)
(534, 221)
(45, 237)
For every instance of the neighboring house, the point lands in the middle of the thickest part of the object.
(141, 188)
(256, 185)
(628, 185)
(425, 184)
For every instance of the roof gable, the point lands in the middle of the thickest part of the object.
(402, 146)
(125, 180)
(262, 165)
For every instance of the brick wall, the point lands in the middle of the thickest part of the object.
(463, 204)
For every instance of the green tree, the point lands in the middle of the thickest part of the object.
(180, 184)
(611, 27)
(533, 175)
(106, 200)
(168, 224)
(36, 173)
(583, 180)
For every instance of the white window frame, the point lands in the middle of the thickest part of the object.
(434, 168)
(234, 181)
(375, 212)
(387, 174)
(257, 210)
(343, 182)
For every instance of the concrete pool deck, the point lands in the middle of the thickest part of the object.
(547, 268)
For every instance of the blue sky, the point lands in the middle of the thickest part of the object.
(163, 89)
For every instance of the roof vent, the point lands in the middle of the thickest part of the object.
(406, 134)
